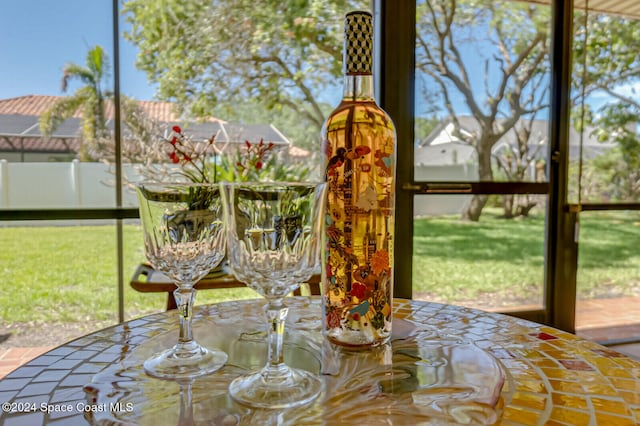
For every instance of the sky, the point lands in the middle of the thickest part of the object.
(38, 37)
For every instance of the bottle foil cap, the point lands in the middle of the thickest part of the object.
(358, 43)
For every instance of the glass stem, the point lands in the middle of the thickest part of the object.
(184, 300)
(276, 314)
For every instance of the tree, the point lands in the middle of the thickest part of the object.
(620, 167)
(612, 61)
(222, 57)
(424, 126)
(515, 80)
(89, 99)
(515, 54)
(142, 139)
(211, 56)
(613, 69)
(515, 163)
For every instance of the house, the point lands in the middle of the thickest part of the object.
(443, 157)
(22, 141)
(442, 147)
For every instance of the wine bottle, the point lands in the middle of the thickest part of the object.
(359, 148)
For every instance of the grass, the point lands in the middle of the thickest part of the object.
(463, 260)
(68, 273)
(459, 260)
(609, 254)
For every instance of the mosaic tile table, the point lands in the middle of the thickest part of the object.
(445, 365)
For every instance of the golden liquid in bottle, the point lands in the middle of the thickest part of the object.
(359, 145)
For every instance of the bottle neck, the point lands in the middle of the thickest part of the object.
(358, 88)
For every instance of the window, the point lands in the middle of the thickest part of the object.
(469, 146)
(482, 105)
(401, 98)
(604, 181)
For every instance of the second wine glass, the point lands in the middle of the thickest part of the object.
(273, 245)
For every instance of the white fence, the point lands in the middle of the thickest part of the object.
(91, 185)
(433, 205)
(60, 185)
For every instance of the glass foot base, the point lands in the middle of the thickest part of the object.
(185, 361)
(293, 389)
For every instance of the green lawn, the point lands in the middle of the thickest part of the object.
(68, 273)
(461, 260)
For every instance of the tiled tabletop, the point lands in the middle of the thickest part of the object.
(445, 365)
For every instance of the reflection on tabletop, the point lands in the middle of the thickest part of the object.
(423, 375)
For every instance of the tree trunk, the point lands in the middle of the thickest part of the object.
(507, 204)
(525, 206)
(474, 209)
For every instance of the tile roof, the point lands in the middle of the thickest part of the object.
(38, 104)
(20, 131)
(27, 125)
(38, 144)
(28, 105)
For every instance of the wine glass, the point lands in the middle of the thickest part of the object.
(274, 233)
(184, 239)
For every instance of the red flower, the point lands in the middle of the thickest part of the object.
(248, 144)
(358, 290)
(259, 165)
(174, 157)
(192, 157)
(270, 145)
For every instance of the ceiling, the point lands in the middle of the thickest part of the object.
(628, 8)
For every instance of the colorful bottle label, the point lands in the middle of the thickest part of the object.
(358, 259)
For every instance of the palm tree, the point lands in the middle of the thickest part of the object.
(88, 99)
